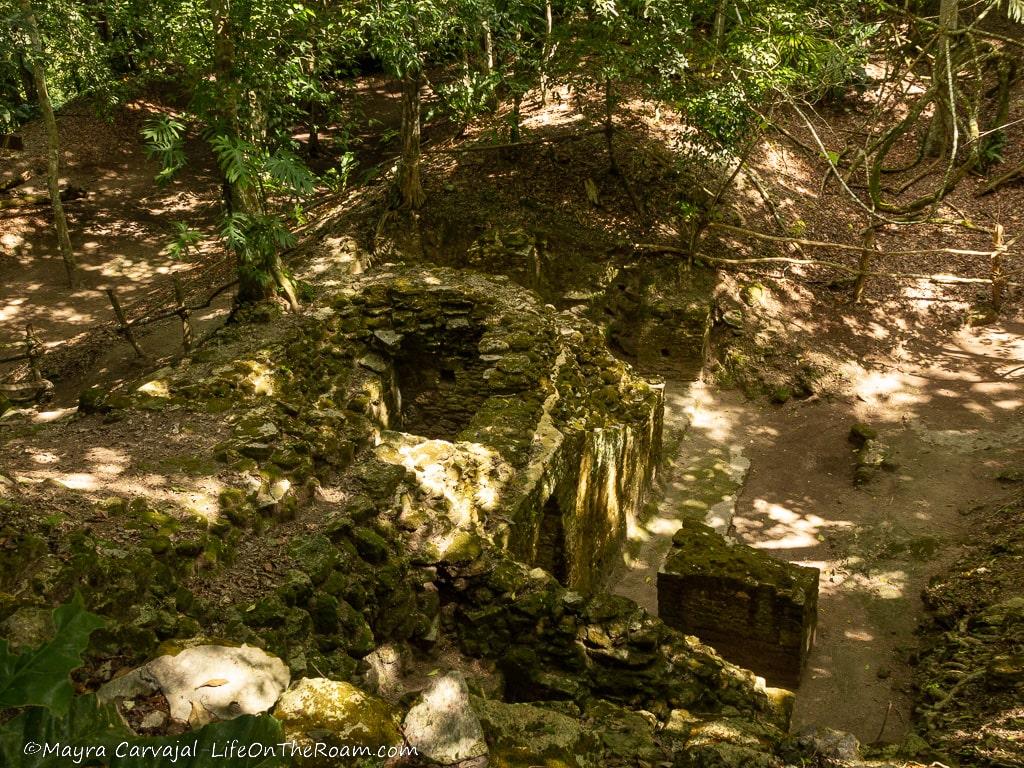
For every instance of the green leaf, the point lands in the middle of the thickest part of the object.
(87, 724)
(208, 746)
(40, 677)
(24, 740)
(232, 158)
(286, 169)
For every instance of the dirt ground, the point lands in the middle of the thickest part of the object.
(951, 413)
(119, 233)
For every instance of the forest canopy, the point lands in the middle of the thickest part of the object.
(247, 74)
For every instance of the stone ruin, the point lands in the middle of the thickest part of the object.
(756, 611)
(456, 465)
(658, 319)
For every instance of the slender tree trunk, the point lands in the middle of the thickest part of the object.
(60, 222)
(998, 279)
(409, 185)
(546, 56)
(864, 264)
(488, 63)
(718, 30)
(28, 82)
(517, 117)
(609, 125)
(488, 48)
(940, 131)
(313, 148)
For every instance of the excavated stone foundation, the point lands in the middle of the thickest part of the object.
(757, 611)
(659, 318)
(444, 463)
(521, 422)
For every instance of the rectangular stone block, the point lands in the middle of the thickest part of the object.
(756, 611)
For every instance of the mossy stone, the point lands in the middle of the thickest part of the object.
(191, 547)
(296, 588)
(159, 545)
(860, 433)
(339, 710)
(315, 555)
(464, 547)
(91, 400)
(270, 611)
(371, 546)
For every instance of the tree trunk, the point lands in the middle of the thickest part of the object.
(313, 148)
(409, 185)
(260, 271)
(60, 222)
(718, 30)
(488, 49)
(546, 55)
(517, 117)
(28, 82)
(488, 63)
(609, 125)
(864, 264)
(940, 132)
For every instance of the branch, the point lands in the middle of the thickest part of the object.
(511, 145)
(655, 248)
(144, 320)
(999, 181)
(842, 246)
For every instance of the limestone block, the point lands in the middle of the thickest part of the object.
(442, 725)
(206, 682)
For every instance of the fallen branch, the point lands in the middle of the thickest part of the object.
(1003, 180)
(811, 151)
(514, 144)
(176, 312)
(655, 248)
(769, 204)
(842, 246)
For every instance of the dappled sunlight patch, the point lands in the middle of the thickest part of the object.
(783, 528)
(75, 481)
(11, 309)
(714, 420)
(853, 576)
(470, 477)
(859, 635)
(44, 457)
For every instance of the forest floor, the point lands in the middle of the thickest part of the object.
(943, 394)
(781, 478)
(952, 420)
(119, 231)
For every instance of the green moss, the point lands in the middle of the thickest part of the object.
(199, 466)
(315, 555)
(525, 735)
(860, 433)
(698, 549)
(371, 546)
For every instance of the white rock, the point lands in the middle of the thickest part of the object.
(442, 725)
(207, 683)
(154, 719)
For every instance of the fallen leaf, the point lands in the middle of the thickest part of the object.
(214, 683)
